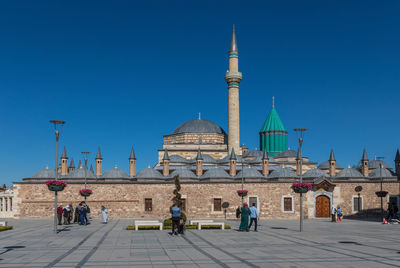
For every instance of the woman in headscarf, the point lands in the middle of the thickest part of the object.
(244, 220)
(104, 214)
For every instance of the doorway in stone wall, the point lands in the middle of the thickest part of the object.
(322, 206)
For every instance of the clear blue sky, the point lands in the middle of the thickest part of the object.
(125, 73)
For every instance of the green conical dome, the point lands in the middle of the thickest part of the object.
(273, 134)
(273, 122)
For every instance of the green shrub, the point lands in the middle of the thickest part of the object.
(210, 226)
(148, 227)
(169, 227)
(5, 228)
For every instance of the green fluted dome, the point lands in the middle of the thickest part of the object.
(273, 122)
(273, 134)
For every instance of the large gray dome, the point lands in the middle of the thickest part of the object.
(199, 126)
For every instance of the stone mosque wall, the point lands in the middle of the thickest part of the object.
(127, 200)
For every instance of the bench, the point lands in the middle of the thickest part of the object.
(3, 223)
(197, 221)
(211, 223)
(148, 223)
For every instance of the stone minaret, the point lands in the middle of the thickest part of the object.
(364, 163)
(233, 78)
(132, 164)
(232, 163)
(71, 165)
(397, 163)
(64, 162)
(166, 163)
(265, 166)
(99, 163)
(332, 164)
(199, 163)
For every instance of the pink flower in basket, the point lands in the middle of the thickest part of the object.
(85, 191)
(242, 191)
(301, 185)
(56, 183)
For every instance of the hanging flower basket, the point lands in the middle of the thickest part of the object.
(381, 193)
(301, 187)
(56, 186)
(85, 192)
(242, 193)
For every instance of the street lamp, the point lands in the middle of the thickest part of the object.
(57, 132)
(85, 157)
(380, 175)
(300, 135)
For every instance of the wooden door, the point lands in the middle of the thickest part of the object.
(322, 206)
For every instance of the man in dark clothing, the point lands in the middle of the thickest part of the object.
(176, 215)
(82, 214)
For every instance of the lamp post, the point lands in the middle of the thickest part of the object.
(57, 132)
(85, 157)
(380, 175)
(300, 135)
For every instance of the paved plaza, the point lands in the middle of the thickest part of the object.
(277, 244)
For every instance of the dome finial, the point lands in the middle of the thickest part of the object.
(273, 101)
(199, 115)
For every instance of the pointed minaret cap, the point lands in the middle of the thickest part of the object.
(64, 154)
(332, 156)
(98, 156)
(166, 157)
(91, 168)
(72, 164)
(132, 156)
(80, 164)
(233, 47)
(199, 156)
(397, 156)
(364, 156)
(233, 155)
(265, 155)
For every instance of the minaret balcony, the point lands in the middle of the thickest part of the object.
(233, 77)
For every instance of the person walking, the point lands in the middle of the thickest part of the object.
(390, 212)
(77, 209)
(82, 214)
(333, 212)
(104, 214)
(339, 214)
(71, 212)
(87, 214)
(244, 220)
(66, 212)
(238, 213)
(176, 215)
(253, 216)
(59, 214)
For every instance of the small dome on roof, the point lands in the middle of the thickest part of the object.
(149, 173)
(325, 165)
(377, 173)
(254, 153)
(287, 153)
(45, 174)
(349, 173)
(376, 164)
(183, 173)
(80, 173)
(208, 159)
(199, 126)
(115, 173)
(227, 159)
(216, 173)
(315, 173)
(282, 173)
(249, 172)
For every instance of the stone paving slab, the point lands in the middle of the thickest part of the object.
(278, 243)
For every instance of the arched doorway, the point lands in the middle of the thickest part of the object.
(322, 205)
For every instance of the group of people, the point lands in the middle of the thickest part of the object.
(336, 214)
(245, 213)
(80, 215)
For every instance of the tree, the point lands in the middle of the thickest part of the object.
(177, 199)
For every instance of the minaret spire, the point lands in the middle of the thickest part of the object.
(233, 78)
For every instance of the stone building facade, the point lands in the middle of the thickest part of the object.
(211, 167)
